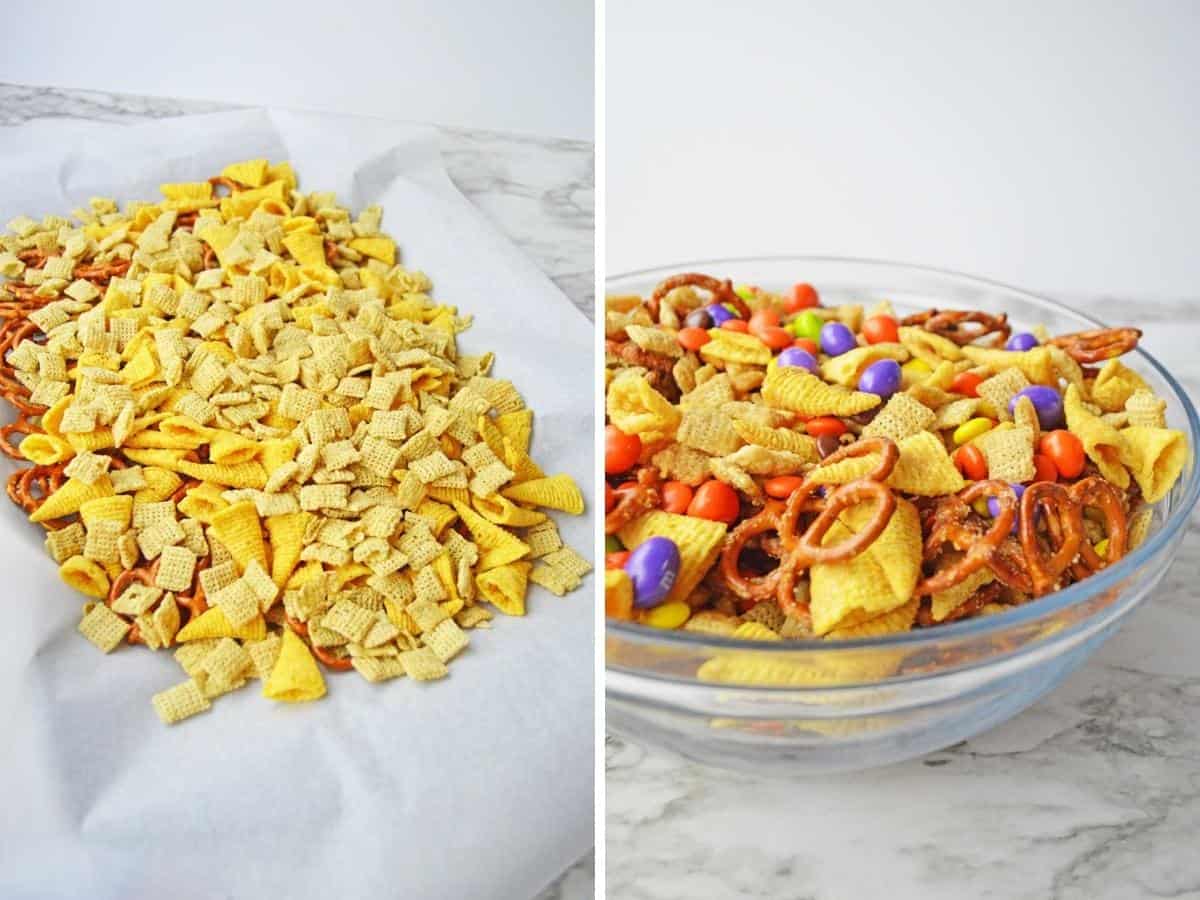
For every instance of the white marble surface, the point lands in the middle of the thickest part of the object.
(538, 191)
(1091, 794)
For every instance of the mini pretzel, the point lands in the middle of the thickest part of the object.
(633, 500)
(1097, 493)
(809, 550)
(29, 488)
(1009, 566)
(722, 291)
(21, 425)
(330, 659)
(32, 257)
(194, 602)
(978, 549)
(102, 272)
(1099, 344)
(1063, 519)
(802, 550)
(954, 325)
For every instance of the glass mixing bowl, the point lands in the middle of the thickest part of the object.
(814, 706)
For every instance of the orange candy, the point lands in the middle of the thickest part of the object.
(621, 450)
(676, 497)
(804, 296)
(819, 425)
(966, 383)
(1065, 451)
(693, 338)
(735, 325)
(775, 337)
(616, 560)
(807, 344)
(1044, 468)
(764, 318)
(782, 486)
(715, 500)
(610, 497)
(618, 604)
(971, 462)
(880, 330)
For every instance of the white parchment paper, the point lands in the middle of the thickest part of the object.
(479, 785)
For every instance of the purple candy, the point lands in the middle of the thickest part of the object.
(882, 378)
(796, 356)
(994, 506)
(719, 313)
(652, 567)
(1046, 403)
(1022, 340)
(837, 339)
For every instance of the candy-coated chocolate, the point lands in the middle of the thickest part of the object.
(803, 296)
(668, 615)
(1047, 403)
(653, 567)
(794, 356)
(827, 444)
(806, 325)
(718, 313)
(837, 339)
(882, 378)
(698, 318)
(971, 429)
(1022, 340)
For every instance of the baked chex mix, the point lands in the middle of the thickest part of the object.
(778, 468)
(255, 443)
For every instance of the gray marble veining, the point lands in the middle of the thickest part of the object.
(1091, 794)
(538, 191)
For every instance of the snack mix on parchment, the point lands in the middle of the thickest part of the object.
(782, 469)
(254, 442)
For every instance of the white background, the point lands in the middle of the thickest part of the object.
(1054, 145)
(522, 66)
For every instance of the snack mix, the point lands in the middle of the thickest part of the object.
(254, 442)
(781, 469)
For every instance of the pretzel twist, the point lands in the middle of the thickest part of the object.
(1098, 344)
(326, 656)
(1097, 493)
(193, 600)
(722, 291)
(962, 326)
(801, 549)
(1063, 520)
(633, 500)
(978, 548)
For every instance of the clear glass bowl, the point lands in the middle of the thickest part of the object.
(811, 706)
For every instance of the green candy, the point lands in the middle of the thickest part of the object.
(612, 544)
(806, 325)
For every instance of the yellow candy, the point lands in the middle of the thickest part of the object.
(1101, 547)
(971, 429)
(915, 370)
(669, 615)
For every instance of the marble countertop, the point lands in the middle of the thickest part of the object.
(538, 191)
(1091, 794)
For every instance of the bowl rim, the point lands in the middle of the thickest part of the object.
(980, 626)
